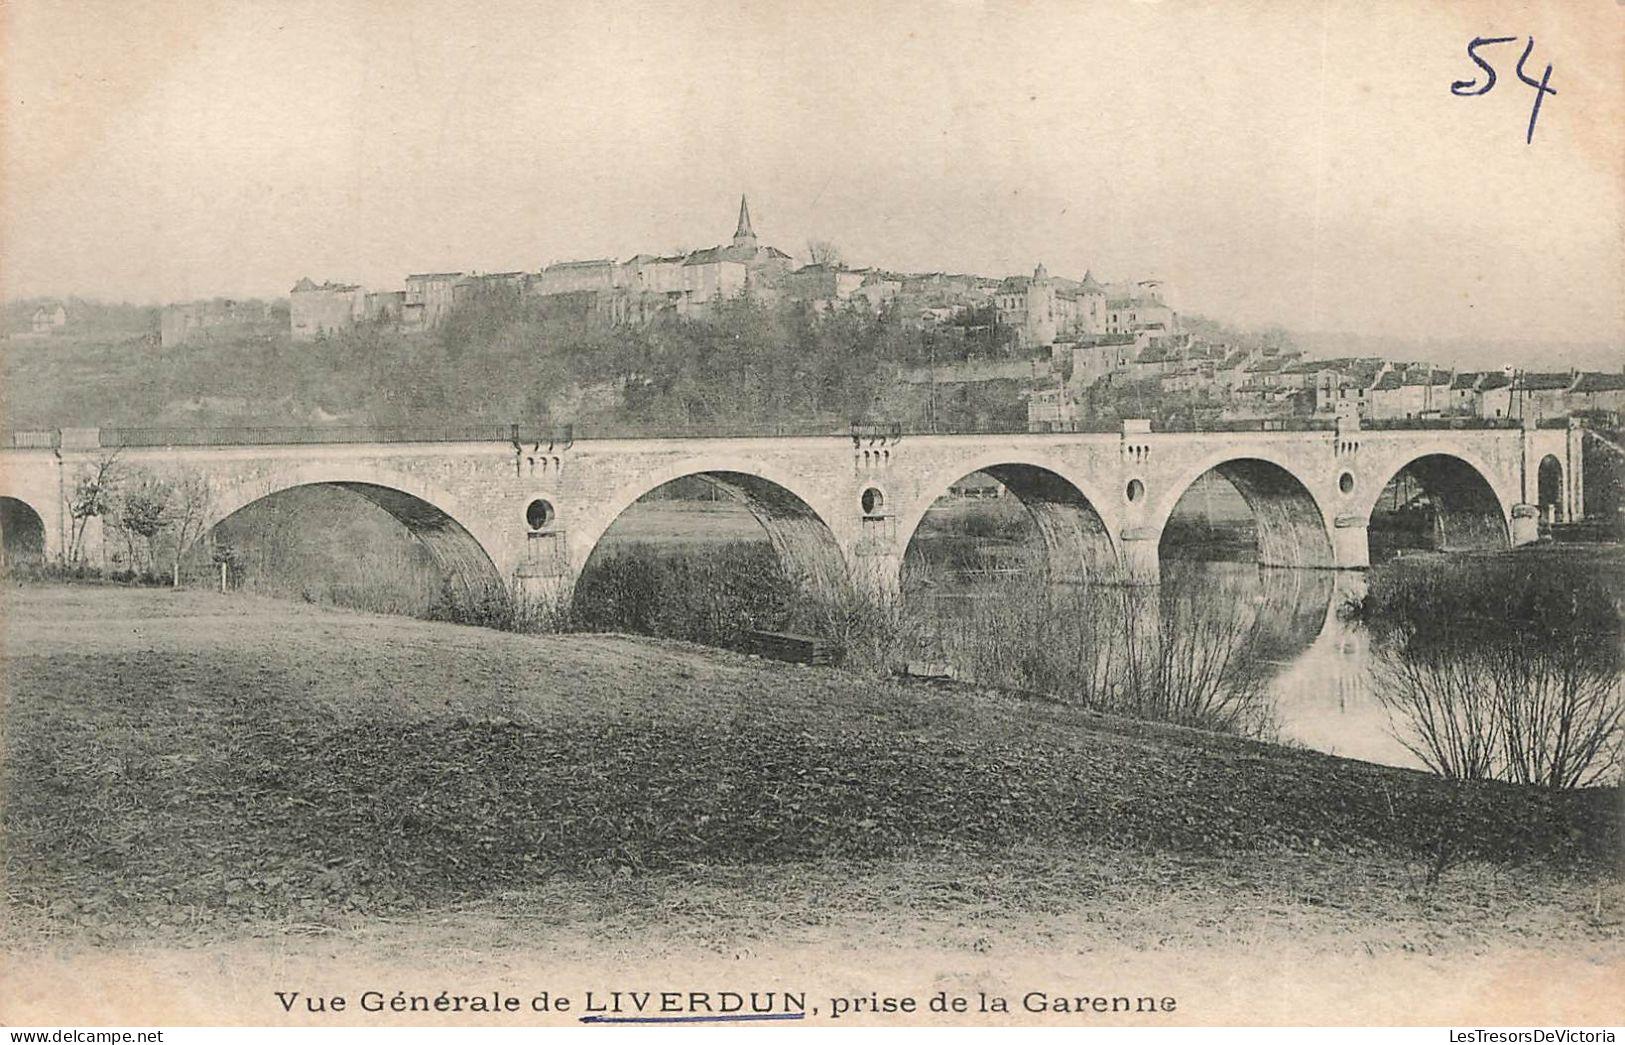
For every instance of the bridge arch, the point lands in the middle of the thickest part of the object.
(1293, 526)
(799, 530)
(432, 516)
(1464, 509)
(1070, 515)
(1550, 486)
(22, 533)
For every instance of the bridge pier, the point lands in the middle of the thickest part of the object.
(1142, 559)
(1351, 545)
(876, 572)
(541, 594)
(1525, 524)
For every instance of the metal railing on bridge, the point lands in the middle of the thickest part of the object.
(277, 435)
(34, 439)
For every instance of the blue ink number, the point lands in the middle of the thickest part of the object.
(1472, 89)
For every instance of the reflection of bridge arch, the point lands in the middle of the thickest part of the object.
(22, 532)
(1471, 513)
(1067, 513)
(1293, 527)
(800, 533)
(431, 516)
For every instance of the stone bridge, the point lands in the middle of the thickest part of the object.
(509, 515)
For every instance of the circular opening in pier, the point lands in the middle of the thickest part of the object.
(1136, 490)
(539, 513)
(873, 501)
(1345, 482)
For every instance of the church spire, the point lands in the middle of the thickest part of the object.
(744, 235)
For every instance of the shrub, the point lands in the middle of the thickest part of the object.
(1504, 668)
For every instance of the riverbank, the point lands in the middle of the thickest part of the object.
(188, 767)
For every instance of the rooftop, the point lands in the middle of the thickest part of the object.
(1426, 375)
(1603, 381)
(305, 286)
(1543, 381)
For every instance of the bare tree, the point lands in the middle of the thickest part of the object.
(1549, 713)
(92, 498)
(191, 504)
(1441, 711)
(1563, 713)
(823, 252)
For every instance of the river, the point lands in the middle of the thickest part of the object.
(1316, 664)
(1270, 652)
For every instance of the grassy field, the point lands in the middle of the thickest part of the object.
(194, 769)
(685, 522)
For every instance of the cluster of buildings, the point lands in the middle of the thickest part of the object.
(1039, 309)
(615, 291)
(1221, 383)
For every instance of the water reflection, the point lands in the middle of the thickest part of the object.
(1312, 666)
(1325, 697)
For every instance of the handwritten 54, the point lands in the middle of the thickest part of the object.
(1471, 88)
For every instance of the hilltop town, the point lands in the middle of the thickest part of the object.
(1048, 351)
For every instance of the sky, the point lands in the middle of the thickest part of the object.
(1297, 163)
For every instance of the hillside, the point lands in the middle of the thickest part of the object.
(497, 360)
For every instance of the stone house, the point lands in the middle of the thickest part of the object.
(211, 320)
(1414, 391)
(1541, 394)
(1096, 356)
(1342, 386)
(429, 299)
(49, 317)
(878, 288)
(1493, 395)
(384, 306)
(1043, 309)
(1603, 391)
(315, 309)
(573, 277)
(654, 274)
(824, 285)
(1473, 393)
(1231, 369)
(509, 285)
(1141, 308)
